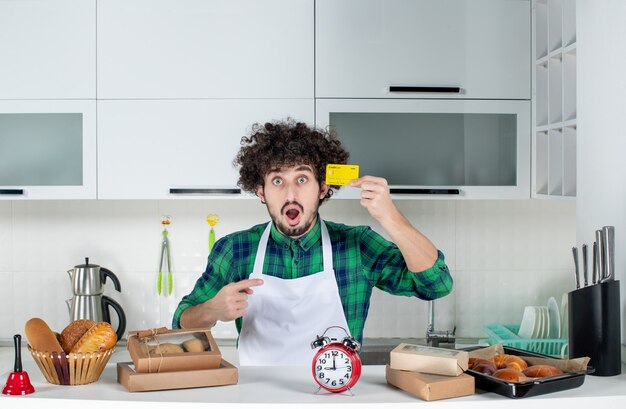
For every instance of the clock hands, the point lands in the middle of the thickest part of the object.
(334, 366)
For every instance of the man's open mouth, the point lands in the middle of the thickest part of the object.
(293, 213)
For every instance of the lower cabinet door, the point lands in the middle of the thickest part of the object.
(166, 149)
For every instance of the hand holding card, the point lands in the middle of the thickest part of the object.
(341, 175)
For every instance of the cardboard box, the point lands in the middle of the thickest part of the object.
(428, 386)
(226, 374)
(166, 350)
(437, 361)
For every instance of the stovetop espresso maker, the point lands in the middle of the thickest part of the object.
(89, 302)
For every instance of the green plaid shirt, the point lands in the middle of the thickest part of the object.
(362, 260)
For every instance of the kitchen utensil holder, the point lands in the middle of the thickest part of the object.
(72, 368)
(594, 326)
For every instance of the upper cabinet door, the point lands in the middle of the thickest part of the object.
(481, 47)
(47, 149)
(205, 49)
(48, 49)
(166, 149)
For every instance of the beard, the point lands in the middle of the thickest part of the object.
(307, 220)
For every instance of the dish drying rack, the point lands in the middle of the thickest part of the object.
(507, 336)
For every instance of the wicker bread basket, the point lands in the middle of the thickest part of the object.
(72, 368)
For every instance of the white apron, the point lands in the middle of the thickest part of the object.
(285, 316)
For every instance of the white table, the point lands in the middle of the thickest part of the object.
(269, 387)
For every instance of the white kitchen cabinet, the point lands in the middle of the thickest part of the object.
(554, 99)
(161, 149)
(364, 47)
(47, 149)
(205, 49)
(435, 149)
(48, 49)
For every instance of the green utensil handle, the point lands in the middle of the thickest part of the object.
(211, 239)
(170, 283)
(159, 282)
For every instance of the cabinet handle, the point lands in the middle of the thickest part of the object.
(412, 191)
(11, 191)
(447, 90)
(205, 191)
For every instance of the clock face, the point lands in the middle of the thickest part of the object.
(336, 368)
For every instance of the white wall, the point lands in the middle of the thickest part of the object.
(503, 255)
(601, 157)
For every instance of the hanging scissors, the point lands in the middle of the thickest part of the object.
(165, 257)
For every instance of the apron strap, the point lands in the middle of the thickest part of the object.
(260, 253)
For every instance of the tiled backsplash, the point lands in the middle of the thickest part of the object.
(503, 255)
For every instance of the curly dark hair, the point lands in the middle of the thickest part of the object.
(283, 144)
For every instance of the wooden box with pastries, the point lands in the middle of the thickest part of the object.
(168, 350)
(517, 373)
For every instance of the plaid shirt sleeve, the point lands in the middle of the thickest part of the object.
(217, 274)
(387, 270)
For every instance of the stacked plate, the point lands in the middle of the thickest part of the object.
(541, 321)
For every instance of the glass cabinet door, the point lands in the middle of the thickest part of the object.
(47, 149)
(475, 149)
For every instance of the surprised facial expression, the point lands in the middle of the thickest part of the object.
(292, 196)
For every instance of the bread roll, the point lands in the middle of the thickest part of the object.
(515, 362)
(100, 337)
(166, 348)
(508, 374)
(73, 332)
(40, 336)
(540, 371)
(194, 345)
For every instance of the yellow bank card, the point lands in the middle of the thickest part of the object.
(341, 174)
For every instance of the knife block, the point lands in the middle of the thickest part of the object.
(594, 326)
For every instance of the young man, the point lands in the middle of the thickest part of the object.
(287, 281)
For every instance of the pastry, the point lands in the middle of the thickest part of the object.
(508, 374)
(73, 332)
(540, 371)
(194, 345)
(166, 348)
(40, 336)
(100, 337)
(509, 361)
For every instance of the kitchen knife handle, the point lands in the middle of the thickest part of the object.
(585, 271)
(439, 90)
(11, 191)
(412, 191)
(205, 191)
(594, 263)
(601, 266)
(575, 253)
(608, 235)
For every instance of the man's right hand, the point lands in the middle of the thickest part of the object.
(228, 304)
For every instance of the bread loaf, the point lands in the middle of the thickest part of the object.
(73, 332)
(540, 371)
(40, 336)
(100, 337)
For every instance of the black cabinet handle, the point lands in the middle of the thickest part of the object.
(412, 191)
(11, 191)
(446, 90)
(205, 191)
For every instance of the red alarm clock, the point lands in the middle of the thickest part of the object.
(336, 366)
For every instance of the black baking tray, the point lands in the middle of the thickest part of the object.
(528, 388)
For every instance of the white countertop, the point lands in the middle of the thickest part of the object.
(265, 387)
